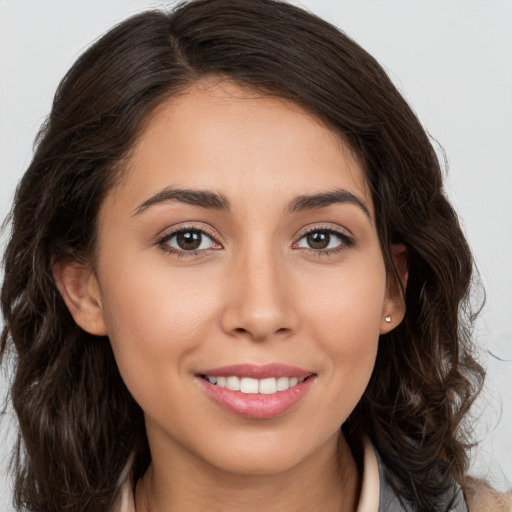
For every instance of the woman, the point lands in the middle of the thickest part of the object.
(233, 240)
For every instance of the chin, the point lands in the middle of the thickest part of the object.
(258, 462)
(269, 453)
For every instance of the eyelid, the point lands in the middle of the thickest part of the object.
(347, 238)
(342, 231)
(169, 233)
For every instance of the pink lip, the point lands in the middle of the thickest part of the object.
(255, 405)
(258, 372)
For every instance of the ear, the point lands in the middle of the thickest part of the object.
(80, 290)
(393, 311)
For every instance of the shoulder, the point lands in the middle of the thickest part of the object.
(393, 494)
(481, 497)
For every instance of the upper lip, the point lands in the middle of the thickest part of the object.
(258, 371)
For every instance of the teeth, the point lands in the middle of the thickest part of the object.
(267, 386)
(248, 385)
(283, 383)
(233, 383)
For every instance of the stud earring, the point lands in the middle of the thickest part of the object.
(388, 319)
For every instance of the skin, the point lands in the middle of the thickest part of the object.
(255, 292)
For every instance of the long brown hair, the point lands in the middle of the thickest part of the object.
(79, 426)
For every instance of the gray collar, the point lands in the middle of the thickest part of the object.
(391, 502)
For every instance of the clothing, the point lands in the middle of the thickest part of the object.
(377, 493)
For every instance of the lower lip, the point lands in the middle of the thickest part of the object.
(255, 405)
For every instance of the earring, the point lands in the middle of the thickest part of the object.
(388, 319)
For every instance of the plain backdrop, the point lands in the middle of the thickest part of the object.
(452, 59)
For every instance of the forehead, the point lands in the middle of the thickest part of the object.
(220, 135)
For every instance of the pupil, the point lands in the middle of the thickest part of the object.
(318, 239)
(189, 240)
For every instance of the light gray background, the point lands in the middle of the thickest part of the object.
(452, 59)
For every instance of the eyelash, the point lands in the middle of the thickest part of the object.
(163, 242)
(346, 241)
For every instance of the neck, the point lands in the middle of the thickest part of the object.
(328, 480)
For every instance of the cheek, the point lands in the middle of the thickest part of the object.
(345, 320)
(154, 322)
(346, 306)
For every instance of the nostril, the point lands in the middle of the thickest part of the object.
(242, 331)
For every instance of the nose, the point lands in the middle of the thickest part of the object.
(260, 298)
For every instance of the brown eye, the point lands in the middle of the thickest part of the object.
(188, 240)
(318, 239)
(322, 239)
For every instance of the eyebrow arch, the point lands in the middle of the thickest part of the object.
(324, 199)
(202, 198)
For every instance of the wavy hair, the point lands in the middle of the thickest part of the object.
(78, 425)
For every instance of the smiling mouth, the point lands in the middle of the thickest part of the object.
(257, 391)
(267, 386)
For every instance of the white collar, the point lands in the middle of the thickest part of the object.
(370, 489)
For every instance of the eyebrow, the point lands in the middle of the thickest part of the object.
(217, 201)
(324, 199)
(202, 198)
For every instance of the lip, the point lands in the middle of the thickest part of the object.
(258, 371)
(255, 405)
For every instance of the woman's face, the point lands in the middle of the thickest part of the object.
(240, 245)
